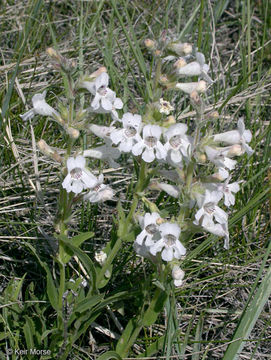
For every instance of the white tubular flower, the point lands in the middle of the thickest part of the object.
(177, 142)
(169, 243)
(100, 192)
(188, 88)
(151, 145)
(209, 210)
(171, 190)
(150, 229)
(129, 135)
(177, 275)
(40, 107)
(106, 153)
(102, 132)
(165, 107)
(196, 68)
(219, 159)
(227, 190)
(78, 178)
(104, 98)
(239, 136)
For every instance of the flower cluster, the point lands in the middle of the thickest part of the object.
(196, 164)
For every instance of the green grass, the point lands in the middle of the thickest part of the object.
(223, 305)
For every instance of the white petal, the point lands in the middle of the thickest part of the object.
(176, 156)
(116, 136)
(167, 254)
(118, 104)
(106, 104)
(161, 153)
(138, 148)
(77, 187)
(148, 155)
(140, 237)
(181, 249)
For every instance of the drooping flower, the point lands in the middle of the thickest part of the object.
(169, 244)
(177, 143)
(218, 158)
(149, 229)
(100, 192)
(150, 145)
(239, 136)
(195, 68)
(129, 135)
(78, 178)
(40, 107)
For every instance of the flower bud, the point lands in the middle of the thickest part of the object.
(150, 44)
(47, 150)
(157, 52)
(98, 72)
(100, 257)
(192, 86)
(180, 48)
(164, 80)
(54, 54)
(235, 150)
(201, 157)
(180, 63)
(177, 273)
(72, 132)
(169, 121)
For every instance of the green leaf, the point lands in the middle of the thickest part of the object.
(75, 241)
(249, 318)
(155, 307)
(51, 289)
(29, 330)
(109, 355)
(88, 303)
(85, 259)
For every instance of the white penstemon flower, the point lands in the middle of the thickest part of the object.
(150, 145)
(104, 152)
(219, 158)
(239, 136)
(129, 135)
(40, 107)
(165, 107)
(78, 178)
(104, 98)
(169, 244)
(209, 211)
(177, 143)
(100, 192)
(195, 68)
(150, 229)
(228, 190)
